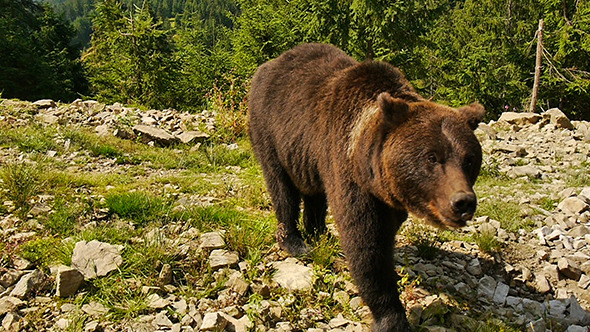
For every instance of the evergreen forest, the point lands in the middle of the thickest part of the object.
(188, 54)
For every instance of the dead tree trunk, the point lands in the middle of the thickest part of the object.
(537, 66)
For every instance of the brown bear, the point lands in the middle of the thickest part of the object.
(329, 130)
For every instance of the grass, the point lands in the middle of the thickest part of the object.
(424, 238)
(487, 243)
(21, 182)
(507, 213)
(140, 207)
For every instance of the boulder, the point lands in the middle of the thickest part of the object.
(519, 118)
(68, 280)
(157, 135)
(96, 259)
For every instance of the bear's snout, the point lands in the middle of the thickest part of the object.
(463, 205)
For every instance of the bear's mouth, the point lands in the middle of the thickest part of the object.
(437, 218)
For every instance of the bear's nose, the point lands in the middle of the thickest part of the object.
(463, 204)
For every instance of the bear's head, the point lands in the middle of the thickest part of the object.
(420, 156)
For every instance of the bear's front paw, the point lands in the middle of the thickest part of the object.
(293, 245)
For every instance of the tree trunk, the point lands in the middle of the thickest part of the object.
(537, 66)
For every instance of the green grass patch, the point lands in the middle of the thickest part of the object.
(487, 242)
(425, 239)
(63, 220)
(325, 251)
(45, 252)
(140, 207)
(30, 138)
(507, 213)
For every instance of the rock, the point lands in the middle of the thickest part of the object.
(519, 118)
(12, 322)
(556, 117)
(155, 301)
(45, 103)
(501, 293)
(579, 231)
(338, 321)
(68, 280)
(237, 284)
(213, 321)
(557, 308)
(9, 304)
(576, 328)
(573, 205)
(123, 133)
(542, 284)
(220, 258)
(577, 314)
(48, 119)
(189, 137)
(533, 307)
(157, 135)
(474, 267)
(584, 281)
(103, 130)
(62, 324)
(92, 326)
(96, 259)
(569, 269)
(27, 284)
(165, 276)
(211, 240)
(236, 325)
(10, 277)
(487, 287)
(291, 275)
(162, 321)
(537, 326)
(526, 171)
(95, 309)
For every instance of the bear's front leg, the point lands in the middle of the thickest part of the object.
(367, 230)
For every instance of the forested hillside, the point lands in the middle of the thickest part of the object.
(173, 53)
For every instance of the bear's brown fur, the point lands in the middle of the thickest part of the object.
(356, 136)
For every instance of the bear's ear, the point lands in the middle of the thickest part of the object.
(394, 110)
(473, 114)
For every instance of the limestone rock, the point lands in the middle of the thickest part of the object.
(291, 275)
(68, 280)
(560, 120)
(213, 321)
(95, 309)
(45, 103)
(157, 135)
(487, 287)
(96, 259)
(189, 137)
(542, 284)
(27, 284)
(9, 304)
(211, 240)
(573, 205)
(222, 258)
(519, 118)
(569, 269)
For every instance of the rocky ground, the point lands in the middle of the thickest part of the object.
(534, 216)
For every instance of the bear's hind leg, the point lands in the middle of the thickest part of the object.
(314, 214)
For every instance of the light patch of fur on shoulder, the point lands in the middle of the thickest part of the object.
(367, 117)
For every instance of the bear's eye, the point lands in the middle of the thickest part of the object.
(468, 163)
(432, 158)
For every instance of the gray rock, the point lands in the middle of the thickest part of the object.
(291, 275)
(557, 308)
(220, 258)
(577, 314)
(474, 267)
(10, 277)
(155, 301)
(92, 326)
(579, 231)
(236, 325)
(487, 287)
(157, 135)
(12, 322)
(577, 328)
(68, 280)
(96, 259)
(569, 269)
(27, 284)
(501, 293)
(533, 307)
(103, 130)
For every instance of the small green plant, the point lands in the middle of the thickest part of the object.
(487, 242)
(137, 206)
(21, 182)
(326, 249)
(507, 213)
(490, 169)
(228, 101)
(45, 252)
